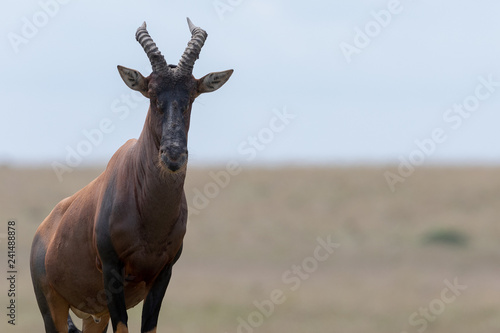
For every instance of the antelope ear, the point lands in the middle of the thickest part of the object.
(213, 81)
(134, 80)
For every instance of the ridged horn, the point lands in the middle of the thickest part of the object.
(155, 57)
(192, 52)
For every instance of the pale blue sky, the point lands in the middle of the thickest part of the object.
(287, 56)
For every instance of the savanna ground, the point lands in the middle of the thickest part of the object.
(396, 250)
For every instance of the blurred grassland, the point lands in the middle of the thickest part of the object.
(396, 249)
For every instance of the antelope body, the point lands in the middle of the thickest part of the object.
(113, 243)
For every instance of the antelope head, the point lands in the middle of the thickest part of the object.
(171, 90)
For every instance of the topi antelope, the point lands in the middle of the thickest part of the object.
(113, 243)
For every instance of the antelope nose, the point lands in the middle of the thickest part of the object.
(174, 160)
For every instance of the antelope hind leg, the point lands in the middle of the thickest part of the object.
(54, 309)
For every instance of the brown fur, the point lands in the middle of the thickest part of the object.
(118, 237)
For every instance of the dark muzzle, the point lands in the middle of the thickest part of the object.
(174, 158)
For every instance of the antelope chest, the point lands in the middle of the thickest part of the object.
(144, 264)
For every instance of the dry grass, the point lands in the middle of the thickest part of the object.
(265, 221)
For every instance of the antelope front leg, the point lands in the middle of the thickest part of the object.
(152, 303)
(113, 285)
(112, 272)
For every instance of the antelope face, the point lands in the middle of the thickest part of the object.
(171, 102)
(171, 90)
